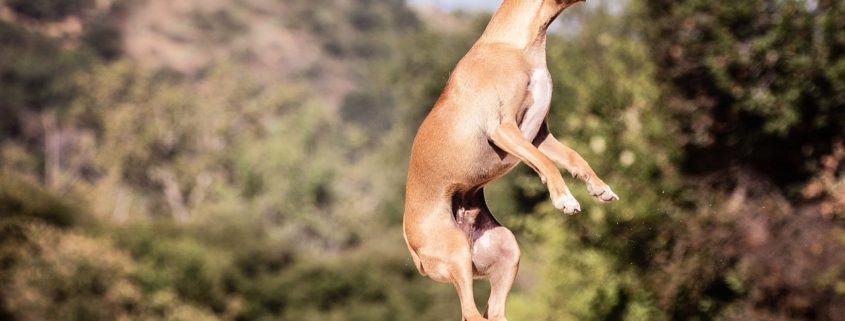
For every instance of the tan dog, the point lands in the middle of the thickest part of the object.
(490, 116)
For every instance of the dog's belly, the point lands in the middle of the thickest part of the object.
(540, 89)
(489, 164)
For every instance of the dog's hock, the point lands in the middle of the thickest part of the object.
(567, 203)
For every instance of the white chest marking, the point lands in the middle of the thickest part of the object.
(540, 89)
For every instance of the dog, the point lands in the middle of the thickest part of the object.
(490, 116)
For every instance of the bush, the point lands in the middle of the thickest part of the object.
(66, 276)
(21, 200)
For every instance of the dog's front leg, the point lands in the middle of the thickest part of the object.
(509, 138)
(574, 164)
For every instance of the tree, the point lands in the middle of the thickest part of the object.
(756, 89)
(752, 83)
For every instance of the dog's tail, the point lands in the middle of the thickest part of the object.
(414, 254)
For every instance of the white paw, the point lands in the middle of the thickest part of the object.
(567, 204)
(603, 193)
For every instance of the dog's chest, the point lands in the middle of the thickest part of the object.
(540, 91)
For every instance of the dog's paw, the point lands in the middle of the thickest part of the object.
(602, 193)
(567, 204)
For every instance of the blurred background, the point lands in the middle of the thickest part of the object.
(245, 160)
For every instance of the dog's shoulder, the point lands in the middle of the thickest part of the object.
(493, 65)
(497, 56)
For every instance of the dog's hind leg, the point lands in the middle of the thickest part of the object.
(443, 252)
(462, 280)
(457, 262)
(498, 251)
(495, 255)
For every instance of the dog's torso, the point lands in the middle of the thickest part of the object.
(454, 135)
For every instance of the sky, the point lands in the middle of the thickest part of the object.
(491, 5)
(488, 5)
(613, 6)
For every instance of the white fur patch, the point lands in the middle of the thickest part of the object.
(567, 203)
(541, 93)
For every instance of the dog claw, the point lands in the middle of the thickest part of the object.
(568, 204)
(604, 193)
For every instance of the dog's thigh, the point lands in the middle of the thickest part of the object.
(494, 249)
(441, 247)
(495, 256)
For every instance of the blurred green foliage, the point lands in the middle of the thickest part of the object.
(33, 67)
(747, 81)
(49, 9)
(131, 190)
